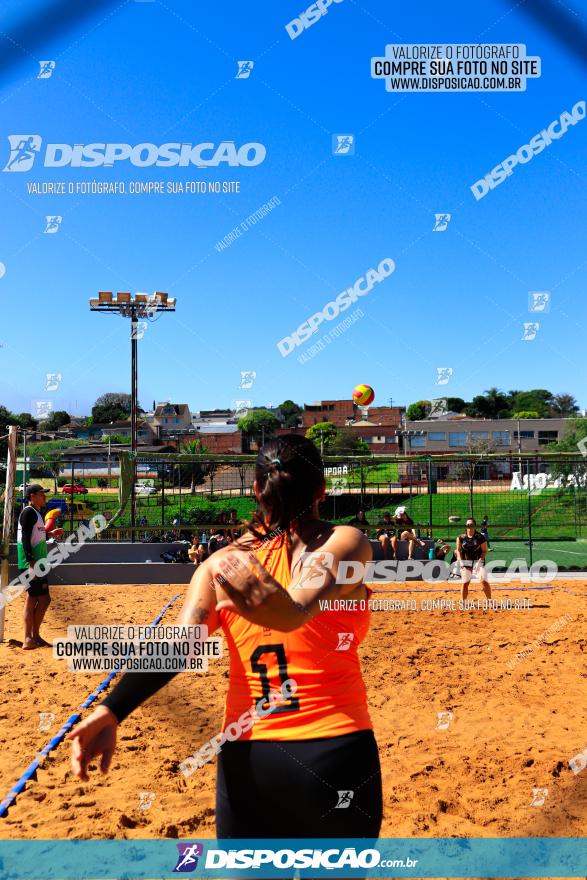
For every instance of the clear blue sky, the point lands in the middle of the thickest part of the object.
(165, 71)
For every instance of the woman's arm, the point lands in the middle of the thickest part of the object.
(458, 548)
(246, 587)
(96, 735)
(134, 688)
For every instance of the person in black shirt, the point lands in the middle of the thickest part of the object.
(218, 540)
(403, 524)
(470, 551)
(485, 531)
(360, 521)
(385, 532)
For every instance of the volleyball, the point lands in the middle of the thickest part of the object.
(363, 395)
(53, 514)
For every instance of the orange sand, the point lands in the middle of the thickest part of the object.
(513, 730)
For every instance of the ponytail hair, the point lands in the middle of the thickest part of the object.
(289, 474)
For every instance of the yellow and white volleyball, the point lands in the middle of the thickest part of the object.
(2, 270)
(363, 395)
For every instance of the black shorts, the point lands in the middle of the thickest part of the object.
(38, 587)
(328, 787)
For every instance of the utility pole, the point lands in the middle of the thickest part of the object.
(24, 474)
(9, 490)
(139, 306)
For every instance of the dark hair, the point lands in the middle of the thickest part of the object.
(473, 520)
(289, 472)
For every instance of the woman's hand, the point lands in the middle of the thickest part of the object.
(243, 584)
(94, 736)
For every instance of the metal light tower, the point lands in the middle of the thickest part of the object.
(140, 306)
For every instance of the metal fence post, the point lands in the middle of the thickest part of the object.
(529, 512)
(71, 495)
(430, 492)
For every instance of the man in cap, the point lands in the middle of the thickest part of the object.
(32, 550)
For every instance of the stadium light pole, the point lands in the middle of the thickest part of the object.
(141, 305)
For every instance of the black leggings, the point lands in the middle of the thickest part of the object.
(268, 789)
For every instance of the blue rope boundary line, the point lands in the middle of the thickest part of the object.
(458, 589)
(31, 771)
(525, 589)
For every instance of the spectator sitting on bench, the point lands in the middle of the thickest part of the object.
(403, 524)
(360, 521)
(233, 533)
(385, 533)
(198, 553)
(218, 539)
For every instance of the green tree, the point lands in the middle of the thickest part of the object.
(6, 418)
(116, 438)
(493, 404)
(345, 442)
(564, 405)
(25, 420)
(455, 404)
(54, 463)
(525, 414)
(259, 424)
(571, 440)
(56, 420)
(323, 435)
(417, 411)
(112, 407)
(291, 413)
(538, 400)
(574, 440)
(194, 471)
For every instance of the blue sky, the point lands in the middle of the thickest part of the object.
(165, 71)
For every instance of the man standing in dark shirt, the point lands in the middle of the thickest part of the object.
(471, 550)
(32, 549)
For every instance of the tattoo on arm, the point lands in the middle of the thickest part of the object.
(199, 615)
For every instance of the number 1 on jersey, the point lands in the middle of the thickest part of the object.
(292, 704)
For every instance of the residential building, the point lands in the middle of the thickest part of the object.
(145, 432)
(339, 412)
(171, 417)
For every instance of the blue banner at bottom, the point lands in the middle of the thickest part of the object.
(289, 858)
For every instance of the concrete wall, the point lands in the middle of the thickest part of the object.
(127, 564)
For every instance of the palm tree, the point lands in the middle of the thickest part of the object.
(564, 405)
(496, 401)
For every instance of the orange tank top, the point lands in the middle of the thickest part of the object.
(321, 657)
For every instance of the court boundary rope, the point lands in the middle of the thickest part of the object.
(31, 771)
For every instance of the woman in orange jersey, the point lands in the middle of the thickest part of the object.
(308, 766)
